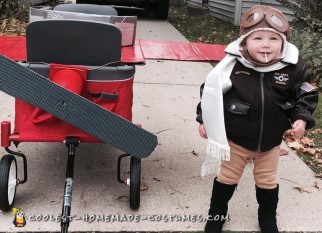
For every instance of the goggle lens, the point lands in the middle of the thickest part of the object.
(253, 17)
(277, 21)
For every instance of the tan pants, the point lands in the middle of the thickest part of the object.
(265, 166)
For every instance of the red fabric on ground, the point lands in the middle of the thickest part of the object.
(14, 47)
(181, 51)
(133, 54)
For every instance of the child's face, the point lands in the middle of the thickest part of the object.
(264, 46)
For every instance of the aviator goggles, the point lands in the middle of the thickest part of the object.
(274, 18)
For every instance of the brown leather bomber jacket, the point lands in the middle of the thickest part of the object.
(260, 107)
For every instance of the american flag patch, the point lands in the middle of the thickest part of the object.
(307, 87)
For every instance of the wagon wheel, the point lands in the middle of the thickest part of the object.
(135, 175)
(8, 182)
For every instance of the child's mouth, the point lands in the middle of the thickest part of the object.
(265, 55)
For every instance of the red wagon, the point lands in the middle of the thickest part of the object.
(88, 64)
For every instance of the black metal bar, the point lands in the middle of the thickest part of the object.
(71, 143)
(119, 167)
(25, 174)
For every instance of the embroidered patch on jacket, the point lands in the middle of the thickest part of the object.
(307, 87)
(242, 72)
(281, 78)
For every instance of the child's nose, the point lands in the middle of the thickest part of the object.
(266, 43)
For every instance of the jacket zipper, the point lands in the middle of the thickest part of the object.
(262, 113)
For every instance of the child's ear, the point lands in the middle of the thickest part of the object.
(243, 45)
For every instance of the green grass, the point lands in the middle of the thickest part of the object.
(313, 161)
(318, 115)
(203, 28)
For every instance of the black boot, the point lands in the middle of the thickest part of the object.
(267, 200)
(221, 194)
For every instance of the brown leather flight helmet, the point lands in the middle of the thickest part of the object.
(264, 17)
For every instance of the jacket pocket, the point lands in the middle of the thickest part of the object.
(236, 116)
(282, 121)
(288, 105)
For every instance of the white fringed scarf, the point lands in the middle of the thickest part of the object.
(217, 83)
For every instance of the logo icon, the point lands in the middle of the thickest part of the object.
(20, 218)
(281, 78)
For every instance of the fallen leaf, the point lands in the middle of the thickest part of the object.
(319, 149)
(13, 22)
(308, 141)
(318, 184)
(319, 175)
(311, 151)
(143, 185)
(288, 136)
(316, 131)
(295, 145)
(195, 153)
(303, 189)
(283, 152)
(3, 25)
(298, 151)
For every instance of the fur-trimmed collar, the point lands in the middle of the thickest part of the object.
(290, 55)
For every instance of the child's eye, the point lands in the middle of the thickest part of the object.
(257, 38)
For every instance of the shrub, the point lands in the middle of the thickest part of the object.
(304, 7)
(14, 15)
(309, 42)
(307, 34)
(17, 9)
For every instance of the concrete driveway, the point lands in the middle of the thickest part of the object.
(165, 97)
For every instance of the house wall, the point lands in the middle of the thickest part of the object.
(35, 2)
(194, 3)
(224, 9)
(232, 10)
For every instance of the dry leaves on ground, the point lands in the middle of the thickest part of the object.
(308, 189)
(308, 146)
(12, 27)
(318, 184)
(303, 189)
(305, 144)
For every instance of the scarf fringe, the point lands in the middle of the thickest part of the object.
(215, 154)
(218, 151)
(209, 167)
